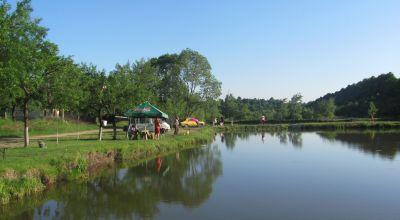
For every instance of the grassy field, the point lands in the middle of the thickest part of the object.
(24, 171)
(9, 128)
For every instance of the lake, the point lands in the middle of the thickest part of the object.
(283, 175)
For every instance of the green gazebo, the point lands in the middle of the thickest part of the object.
(145, 110)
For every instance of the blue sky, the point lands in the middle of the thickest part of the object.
(257, 49)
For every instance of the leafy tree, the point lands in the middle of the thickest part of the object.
(196, 75)
(146, 82)
(283, 110)
(325, 109)
(28, 53)
(62, 88)
(295, 107)
(98, 99)
(229, 107)
(372, 111)
(308, 113)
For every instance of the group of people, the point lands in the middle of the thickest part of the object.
(134, 132)
(263, 119)
(221, 121)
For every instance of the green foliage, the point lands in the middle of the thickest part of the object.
(295, 107)
(229, 107)
(372, 110)
(354, 100)
(325, 109)
(199, 83)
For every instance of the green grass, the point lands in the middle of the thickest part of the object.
(28, 170)
(9, 128)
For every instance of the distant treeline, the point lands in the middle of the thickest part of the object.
(33, 75)
(355, 99)
(241, 109)
(372, 97)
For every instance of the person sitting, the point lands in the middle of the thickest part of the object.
(145, 134)
(134, 132)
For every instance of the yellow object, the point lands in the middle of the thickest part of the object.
(190, 122)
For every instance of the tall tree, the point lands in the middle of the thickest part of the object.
(97, 98)
(172, 90)
(146, 82)
(200, 83)
(372, 110)
(325, 109)
(62, 88)
(229, 107)
(295, 107)
(28, 56)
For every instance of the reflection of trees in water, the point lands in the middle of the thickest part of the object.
(230, 138)
(293, 137)
(186, 178)
(384, 144)
(284, 137)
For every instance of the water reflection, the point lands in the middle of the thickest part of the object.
(261, 177)
(185, 178)
(383, 144)
(293, 137)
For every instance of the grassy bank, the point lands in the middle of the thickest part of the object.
(314, 126)
(10, 128)
(28, 170)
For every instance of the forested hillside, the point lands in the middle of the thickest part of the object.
(354, 100)
(382, 92)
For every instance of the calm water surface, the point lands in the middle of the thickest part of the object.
(289, 175)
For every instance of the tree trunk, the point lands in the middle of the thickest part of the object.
(13, 113)
(26, 129)
(5, 114)
(62, 115)
(114, 128)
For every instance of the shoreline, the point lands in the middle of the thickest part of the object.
(17, 181)
(32, 170)
(357, 125)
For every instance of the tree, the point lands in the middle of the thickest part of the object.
(282, 110)
(372, 110)
(295, 107)
(229, 107)
(121, 91)
(146, 82)
(325, 109)
(308, 113)
(97, 93)
(27, 54)
(62, 88)
(200, 84)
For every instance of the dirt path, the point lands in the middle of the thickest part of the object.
(14, 142)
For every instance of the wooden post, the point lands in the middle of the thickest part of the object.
(62, 115)
(114, 128)
(4, 153)
(58, 120)
(78, 127)
(101, 133)
(26, 129)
